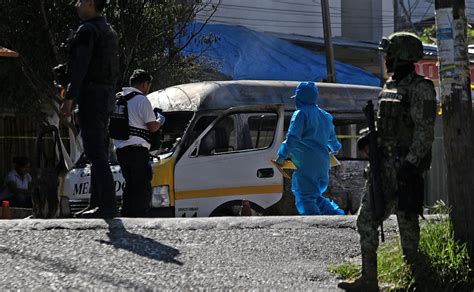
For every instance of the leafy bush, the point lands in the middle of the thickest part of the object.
(448, 260)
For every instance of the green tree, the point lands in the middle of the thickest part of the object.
(148, 31)
(428, 35)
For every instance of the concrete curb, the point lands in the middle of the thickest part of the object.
(220, 223)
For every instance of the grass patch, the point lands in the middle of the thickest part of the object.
(448, 259)
(448, 263)
(392, 268)
(347, 271)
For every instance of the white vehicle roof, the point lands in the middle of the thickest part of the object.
(221, 95)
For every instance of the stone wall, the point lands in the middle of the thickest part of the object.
(347, 184)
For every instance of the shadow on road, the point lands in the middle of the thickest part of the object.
(61, 265)
(143, 246)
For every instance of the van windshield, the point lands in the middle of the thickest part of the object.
(173, 129)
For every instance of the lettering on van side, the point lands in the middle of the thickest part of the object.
(83, 188)
(187, 209)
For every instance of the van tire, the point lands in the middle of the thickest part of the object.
(286, 206)
(232, 209)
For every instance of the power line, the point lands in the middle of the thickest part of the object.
(386, 23)
(291, 21)
(427, 9)
(318, 25)
(386, 20)
(302, 12)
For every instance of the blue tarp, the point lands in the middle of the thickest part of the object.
(242, 53)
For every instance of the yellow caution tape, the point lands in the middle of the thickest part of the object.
(347, 136)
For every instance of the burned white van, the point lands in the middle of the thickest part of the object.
(216, 147)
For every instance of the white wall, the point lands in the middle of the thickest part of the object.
(301, 17)
(367, 20)
(388, 19)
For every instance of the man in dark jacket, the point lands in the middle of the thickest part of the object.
(92, 73)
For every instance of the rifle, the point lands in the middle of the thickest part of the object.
(377, 203)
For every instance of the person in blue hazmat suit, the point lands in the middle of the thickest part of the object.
(311, 137)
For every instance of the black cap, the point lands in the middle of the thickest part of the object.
(139, 76)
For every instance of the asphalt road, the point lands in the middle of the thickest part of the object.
(147, 254)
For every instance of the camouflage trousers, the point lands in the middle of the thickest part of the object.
(368, 227)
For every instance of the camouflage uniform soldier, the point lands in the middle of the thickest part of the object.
(405, 129)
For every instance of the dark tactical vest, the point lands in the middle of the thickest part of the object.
(395, 126)
(119, 126)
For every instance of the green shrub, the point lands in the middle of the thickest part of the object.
(447, 259)
(347, 271)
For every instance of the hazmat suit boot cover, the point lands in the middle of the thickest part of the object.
(306, 204)
(329, 207)
(310, 135)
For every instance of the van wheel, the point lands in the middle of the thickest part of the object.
(233, 208)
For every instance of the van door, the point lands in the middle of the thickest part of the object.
(231, 161)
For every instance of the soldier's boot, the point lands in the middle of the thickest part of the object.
(422, 273)
(368, 279)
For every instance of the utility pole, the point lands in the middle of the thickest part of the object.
(455, 96)
(396, 16)
(331, 73)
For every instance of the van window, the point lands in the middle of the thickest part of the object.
(220, 139)
(262, 129)
(239, 132)
(201, 124)
(176, 123)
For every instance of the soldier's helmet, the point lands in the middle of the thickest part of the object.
(402, 46)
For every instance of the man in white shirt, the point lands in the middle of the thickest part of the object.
(17, 186)
(133, 153)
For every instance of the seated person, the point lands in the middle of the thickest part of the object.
(17, 185)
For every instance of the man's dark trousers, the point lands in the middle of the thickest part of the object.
(136, 169)
(95, 105)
